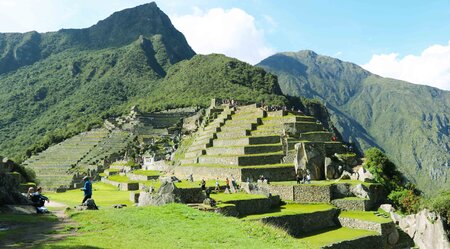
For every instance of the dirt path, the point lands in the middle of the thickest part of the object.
(29, 234)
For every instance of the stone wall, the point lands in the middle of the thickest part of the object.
(388, 231)
(198, 172)
(273, 174)
(286, 193)
(299, 224)
(253, 206)
(312, 193)
(368, 242)
(123, 186)
(135, 177)
(352, 204)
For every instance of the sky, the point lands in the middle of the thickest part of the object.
(407, 40)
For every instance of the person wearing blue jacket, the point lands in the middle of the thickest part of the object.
(87, 189)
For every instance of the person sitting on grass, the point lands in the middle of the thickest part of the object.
(87, 189)
(39, 201)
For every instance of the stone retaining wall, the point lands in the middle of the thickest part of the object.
(352, 204)
(123, 186)
(286, 193)
(273, 174)
(368, 242)
(299, 224)
(198, 172)
(135, 177)
(253, 206)
(311, 193)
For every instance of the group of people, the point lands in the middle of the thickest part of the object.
(303, 176)
(38, 200)
(231, 102)
(228, 184)
(35, 196)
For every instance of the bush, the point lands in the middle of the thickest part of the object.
(405, 200)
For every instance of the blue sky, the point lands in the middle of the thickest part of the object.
(401, 39)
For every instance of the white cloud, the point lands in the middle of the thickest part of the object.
(431, 67)
(231, 32)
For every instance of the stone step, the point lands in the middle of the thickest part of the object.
(188, 161)
(232, 134)
(199, 147)
(244, 150)
(247, 160)
(250, 120)
(319, 136)
(258, 113)
(202, 141)
(195, 153)
(247, 141)
(238, 126)
(287, 119)
(353, 203)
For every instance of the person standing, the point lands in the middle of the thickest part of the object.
(87, 189)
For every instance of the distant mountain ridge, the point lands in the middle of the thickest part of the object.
(410, 122)
(119, 29)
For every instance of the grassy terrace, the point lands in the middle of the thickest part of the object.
(196, 184)
(119, 178)
(366, 216)
(103, 194)
(323, 183)
(146, 172)
(292, 209)
(170, 226)
(326, 237)
(224, 198)
(247, 155)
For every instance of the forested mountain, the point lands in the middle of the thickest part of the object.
(410, 122)
(54, 85)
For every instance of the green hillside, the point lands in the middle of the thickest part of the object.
(410, 122)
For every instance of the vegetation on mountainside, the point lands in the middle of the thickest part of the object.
(410, 122)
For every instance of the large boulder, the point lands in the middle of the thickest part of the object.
(167, 193)
(333, 169)
(360, 191)
(426, 229)
(311, 157)
(364, 175)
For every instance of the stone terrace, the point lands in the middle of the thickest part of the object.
(247, 142)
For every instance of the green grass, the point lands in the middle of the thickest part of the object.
(19, 218)
(318, 240)
(146, 172)
(119, 178)
(292, 209)
(353, 198)
(113, 170)
(222, 197)
(362, 215)
(170, 226)
(103, 194)
(280, 165)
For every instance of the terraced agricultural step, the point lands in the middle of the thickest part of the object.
(232, 134)
(343, 238)
(238, 126)
(246, 160)
(188, 161)
(244, 150)
(199, 147)
(202, 141)
(319, 136)
(252, 114)
(247, 141)
(277, 113)
(195, 153)
(211, 135)
(287, 119)
(250, 120)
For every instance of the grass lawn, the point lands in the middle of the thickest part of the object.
(362, 215)
(146, 172)
(318, 240)
(103, 194)
(170, 226)
(222, 197)
(291, 209)
(18, 223)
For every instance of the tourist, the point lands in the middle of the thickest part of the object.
(208, 192)
(191, 178)
(227, 184)
(30, 192)
(233, 182)
(217, 188)
(298, 177)
(203, 184)
(333, 138)
(38, 199)
(308, 176)
(87, 188)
